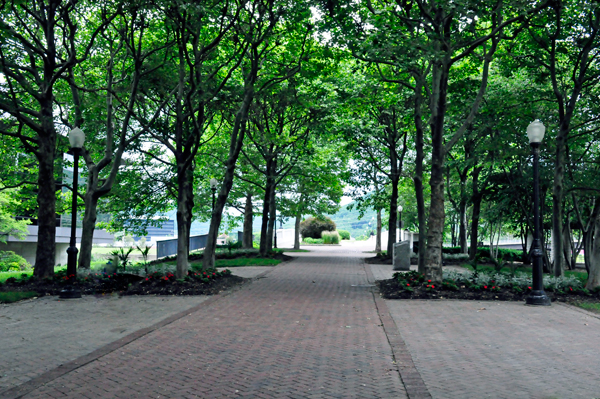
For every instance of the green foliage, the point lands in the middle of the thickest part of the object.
(344, 234)
(314, 226)
(15, 296)
(144, 251)
(330, 237)
(240, 262)
(11, 262)
(123, 255)
(8, 224)
(484, 252)
(309, 240)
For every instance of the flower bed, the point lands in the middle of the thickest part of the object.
(157, 283)
(483, 286)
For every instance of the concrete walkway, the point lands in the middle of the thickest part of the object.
(310, 328)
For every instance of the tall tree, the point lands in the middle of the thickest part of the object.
(276, 34)
(129, 59)
(447, 35)
(564, 40)
(40, 41)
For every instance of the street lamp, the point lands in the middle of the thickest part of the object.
(537, 296)
(76, 140)
(399, 223)
(213, 187)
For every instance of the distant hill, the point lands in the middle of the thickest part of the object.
(349, 220)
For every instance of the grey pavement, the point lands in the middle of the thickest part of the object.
(40, 334)
(471, 349)
(311, 328)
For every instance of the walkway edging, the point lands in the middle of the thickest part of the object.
(409, 375)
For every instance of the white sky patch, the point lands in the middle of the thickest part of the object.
(345, 200)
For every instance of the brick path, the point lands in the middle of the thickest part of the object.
(307, 330)
(507, 350)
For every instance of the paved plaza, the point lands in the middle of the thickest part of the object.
(313, 327)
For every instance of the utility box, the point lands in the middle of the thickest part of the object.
(401, 256)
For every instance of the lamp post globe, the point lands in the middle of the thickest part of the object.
(537, 296)
(76, 140)
(535, 132)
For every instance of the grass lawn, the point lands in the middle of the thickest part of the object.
(6, 275)
(235, 262)
(108, 250)
(14, 296)
(238, 262)
(592, 307)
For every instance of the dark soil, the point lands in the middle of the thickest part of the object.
(130, 284)
(391, 289)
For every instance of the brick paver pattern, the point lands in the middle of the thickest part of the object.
(468, 349)
(39, 335)
(309, 329)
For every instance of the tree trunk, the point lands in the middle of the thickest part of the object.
(235, 146)
(435, 224)
(462, 224)
(87, 231)
(557, 201)
(272, 220)
(393, 212)
(46, 200)
(297, 230)
(418, 177)
(264, 227)
(567, 244)
(185, 203)
(247, 241)
(476, 199)
(378, 236)
(594, 271)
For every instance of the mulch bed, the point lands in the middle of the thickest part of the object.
(129, 284)
(391, 289)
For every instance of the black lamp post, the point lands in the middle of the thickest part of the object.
(535, 132)
(399, 223)
(76, 139)
(213, 188)
(275, 227)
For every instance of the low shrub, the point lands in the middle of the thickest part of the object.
(309, 240)
(11, 262)
(451, 250)
(344, 234)
(330, 237)
(484, 252)
(314, 226)
(455, 256)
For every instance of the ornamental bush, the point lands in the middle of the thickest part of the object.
(344, 234)
(314, 226)
(309, 240)
(330, 237)
(10, 261)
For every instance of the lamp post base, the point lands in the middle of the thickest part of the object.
(538, 298)
(70, 292)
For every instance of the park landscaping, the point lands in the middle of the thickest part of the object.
(487, 284)
(152, 278)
